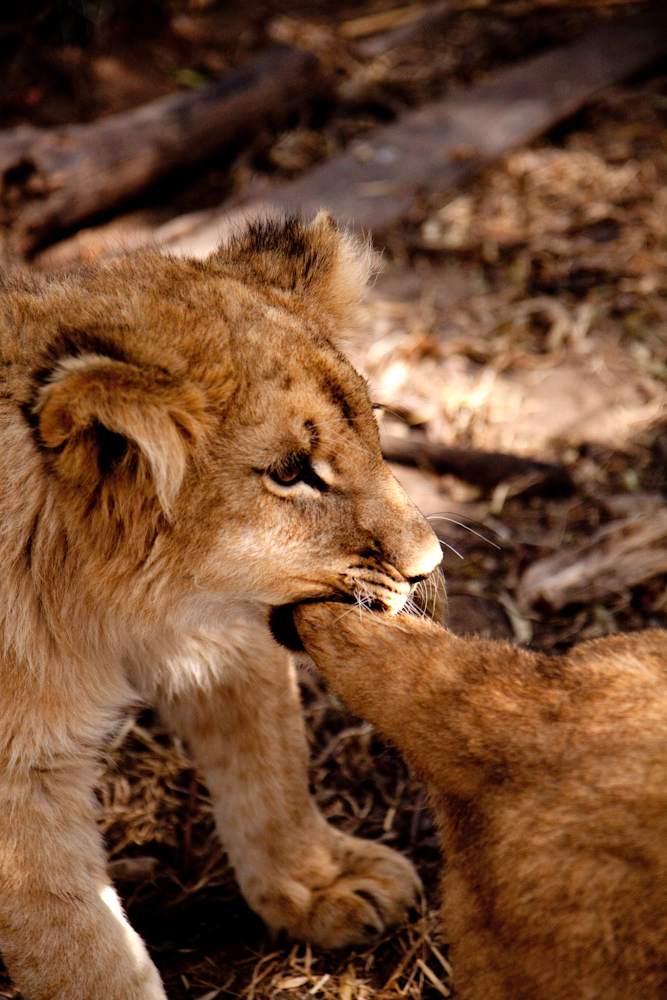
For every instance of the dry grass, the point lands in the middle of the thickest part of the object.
(156, 815)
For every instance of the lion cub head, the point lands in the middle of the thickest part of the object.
(202, 437)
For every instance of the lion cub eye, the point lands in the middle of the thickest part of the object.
(295, 469)
(288, 473)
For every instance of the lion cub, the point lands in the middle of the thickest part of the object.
(183, 445)
(549, 779)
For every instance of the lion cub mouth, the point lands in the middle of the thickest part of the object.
(422, 599)
(377, 588)
(281, 617)
(281, 620)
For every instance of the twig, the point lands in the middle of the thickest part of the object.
(483, 468)
(435, 980)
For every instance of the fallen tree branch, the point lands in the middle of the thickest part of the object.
(482, 468)
(429, 150)
(51, 181)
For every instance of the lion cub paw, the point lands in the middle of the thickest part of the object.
(373, 891)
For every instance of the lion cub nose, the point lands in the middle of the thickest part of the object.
(424, 559)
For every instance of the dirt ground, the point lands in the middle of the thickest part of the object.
(525, 312)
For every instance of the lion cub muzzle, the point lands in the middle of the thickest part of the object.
(379, 587)
(376, 588)
(402, 555)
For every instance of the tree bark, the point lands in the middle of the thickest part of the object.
(53, 180)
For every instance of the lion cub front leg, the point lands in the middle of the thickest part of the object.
(63, 934)
(296, 871)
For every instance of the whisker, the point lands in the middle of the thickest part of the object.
(448, 546)
(362, 600)
(411, 606)
(394, 413)
(423, 614)
(424, 597)
(443, 517)
(412, 609)
(421, 608)
(428, 587)
(353, 607)
(369, 606)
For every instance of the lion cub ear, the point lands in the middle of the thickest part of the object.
(317, 261)
(100, 415)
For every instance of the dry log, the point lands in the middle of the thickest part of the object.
(376, 182)
(482, 468)
(53, 180)
(620, 555)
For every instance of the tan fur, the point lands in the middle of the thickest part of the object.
(549, 780)
(148, 410)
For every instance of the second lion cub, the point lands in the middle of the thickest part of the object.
(549, 779)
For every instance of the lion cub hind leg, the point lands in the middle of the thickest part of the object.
(302, 876)
(63, 934)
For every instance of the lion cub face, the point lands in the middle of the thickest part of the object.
(307, 505)
(203, 436)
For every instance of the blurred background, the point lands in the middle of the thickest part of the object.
(510, 160)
